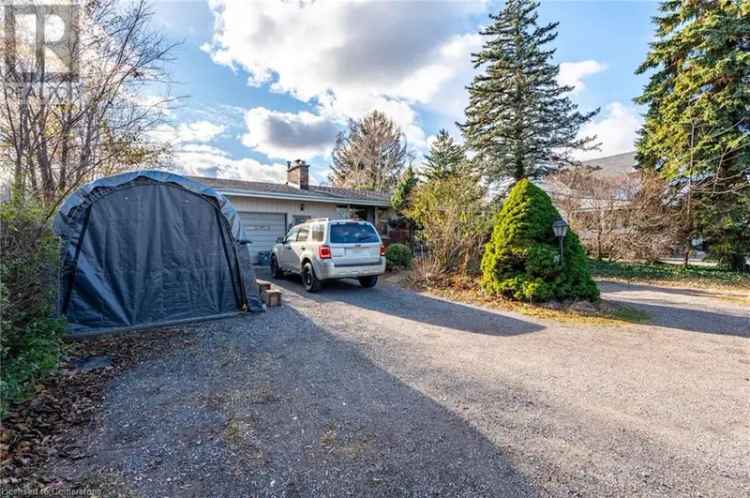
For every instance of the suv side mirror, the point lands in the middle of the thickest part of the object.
(280, 240)
(244, 242)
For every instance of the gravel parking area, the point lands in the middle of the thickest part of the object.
(387, 392)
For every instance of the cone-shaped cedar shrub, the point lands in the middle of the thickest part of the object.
(520, 261)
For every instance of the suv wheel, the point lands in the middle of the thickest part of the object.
(309, 280)
(368, 282)
(275, 270)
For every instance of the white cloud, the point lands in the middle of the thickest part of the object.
(196, 131)
(573, 73)
(229, 116)
(194, 155)
(452, 98)
(311, 48)
(200, 131)
(288, 135)
(332, 54)
(202, 148)
(616, 129)
(213, 162)
(402, 113)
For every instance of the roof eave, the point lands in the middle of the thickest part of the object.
(302, 197)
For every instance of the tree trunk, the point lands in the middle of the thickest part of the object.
(738, 263)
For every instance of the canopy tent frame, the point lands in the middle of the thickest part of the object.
(72, 225)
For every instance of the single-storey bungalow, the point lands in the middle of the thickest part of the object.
(268, 210)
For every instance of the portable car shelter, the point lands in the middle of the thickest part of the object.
(149, 248)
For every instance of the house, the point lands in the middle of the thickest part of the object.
(597, 200)
(613, 166)
(617, 210)
(268, 210)
(608, 182)
(607, 169)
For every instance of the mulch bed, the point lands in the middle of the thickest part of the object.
(45, 426)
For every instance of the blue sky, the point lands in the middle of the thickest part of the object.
(266, 82)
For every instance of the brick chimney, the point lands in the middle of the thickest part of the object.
(298, 174)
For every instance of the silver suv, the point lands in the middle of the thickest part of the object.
(323, 249)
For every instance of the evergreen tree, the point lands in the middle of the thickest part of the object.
(370, 155)
(519, 119)
(697, 127)
(400, 197)
(445, 157)
(521, 260)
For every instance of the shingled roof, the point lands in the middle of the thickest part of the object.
(619, 164)
(313, 193)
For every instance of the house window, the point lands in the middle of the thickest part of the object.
(299, 219)
(342, 212)
(362, 213)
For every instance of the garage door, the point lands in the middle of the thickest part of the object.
(263, 229)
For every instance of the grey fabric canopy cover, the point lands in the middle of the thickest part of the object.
(149, 247)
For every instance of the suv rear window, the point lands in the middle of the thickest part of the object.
(353, 233)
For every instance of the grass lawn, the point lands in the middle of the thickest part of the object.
(664, 272)
(466, 289)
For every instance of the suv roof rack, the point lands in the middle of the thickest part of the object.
(331, 220)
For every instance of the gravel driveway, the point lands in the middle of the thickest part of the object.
(388, 392)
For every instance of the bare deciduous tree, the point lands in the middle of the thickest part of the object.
(454, 220)
(59, 132)
(624, 216)
(371, 155)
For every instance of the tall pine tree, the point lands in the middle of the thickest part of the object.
(444, 159)
(697, 127)
(519, 119)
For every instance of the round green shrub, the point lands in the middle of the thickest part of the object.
(521, 260)
(398, 256)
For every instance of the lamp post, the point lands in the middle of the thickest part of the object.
(560, 228)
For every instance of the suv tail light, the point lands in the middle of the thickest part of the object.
(324, 252)
(382, 249)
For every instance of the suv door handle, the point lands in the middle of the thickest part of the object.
(302, 248)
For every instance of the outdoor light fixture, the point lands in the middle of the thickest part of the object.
(560, 228)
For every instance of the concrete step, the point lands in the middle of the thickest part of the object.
(269, 296)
